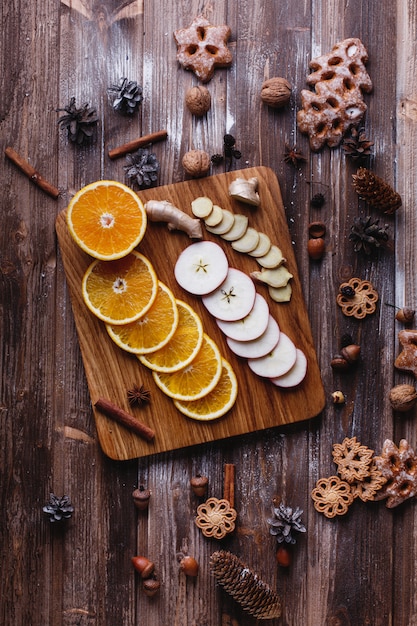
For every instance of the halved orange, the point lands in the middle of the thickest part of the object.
(183, 345)
(196, 379)
(121, 291)
(152, 330)
(216, 403)
(106, 219)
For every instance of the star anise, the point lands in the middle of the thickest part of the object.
(138, 395)
(357, 146)
(367, 235)
(293, 156)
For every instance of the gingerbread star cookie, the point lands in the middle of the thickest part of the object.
(202, 47)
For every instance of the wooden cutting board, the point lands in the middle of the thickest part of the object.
(111, 372)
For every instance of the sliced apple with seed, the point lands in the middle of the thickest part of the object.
(238, 229)
(233, 299)
(273, 258)
(251, 326)
(227, 221)
(295, 375)
(281, 294)
(263, 247)
(215, 216)
(248, 242)
(259, 347)
(201, 267)
(201, 207)
(275, 277)
(277, 362)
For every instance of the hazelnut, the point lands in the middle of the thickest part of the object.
(315, 248)
(338, 397)
(196, 163)
(403, 397)
(198, 100)
(276, 92)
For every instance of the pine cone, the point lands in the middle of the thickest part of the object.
(285, 523)
(80, 123)
(142, 167)
(128, 96)
(357, 146)
(254, 595)
(58, 509)
(376, 191)
(367, 235)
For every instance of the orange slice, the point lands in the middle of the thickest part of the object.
(152, 330)
(119, 292)
(216, 403)
(106, 219)
(183, 345)
(196, 379)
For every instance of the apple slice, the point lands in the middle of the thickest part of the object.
(251, 326)
(295, 375)
(259, 347)
(278, 362)
(233, 299)
(226, 223)
(201, 267)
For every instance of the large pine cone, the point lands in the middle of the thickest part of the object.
(376, 191)
(254, 595)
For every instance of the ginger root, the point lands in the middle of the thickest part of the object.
(164, 211)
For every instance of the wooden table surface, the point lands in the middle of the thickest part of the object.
(358, 569)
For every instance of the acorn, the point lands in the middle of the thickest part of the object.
(315, 248)
(405, 315)
(351, 353)
(151, 586)
(316, 230)
(339, 362)
(141, 498)
(199, 485)
(143, 565)
(283, 556)
(189, 566)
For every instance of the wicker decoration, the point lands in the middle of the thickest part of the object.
(254, 595)
(362, 303)
(332, 496)
(352, 459)
(216, 518)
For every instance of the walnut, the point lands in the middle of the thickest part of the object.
(196, 163)
(198, 100)
(403, 397)
(276, 92)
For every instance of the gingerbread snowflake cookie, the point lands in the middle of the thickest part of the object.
(398, 465)
(357, 298)
(339, 79)
(201, 47)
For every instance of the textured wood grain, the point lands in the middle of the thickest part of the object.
(110, 371)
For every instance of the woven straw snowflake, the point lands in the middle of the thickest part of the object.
(216, 518)
(332, 496)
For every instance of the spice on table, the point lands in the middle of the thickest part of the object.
(293, 156)
(31, 173)
(122, 417)
(133, 145)
(138, 395)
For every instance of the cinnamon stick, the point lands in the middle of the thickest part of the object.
(31, 173)
(126, 419)
(131, 146)
(229, 484)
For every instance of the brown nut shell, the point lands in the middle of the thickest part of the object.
(315, 248)
(403, 397)
(276, 92)
(339, 363)
(316, 229)
(405, 315)
(351, 353)
(196, 163)
(198, 100)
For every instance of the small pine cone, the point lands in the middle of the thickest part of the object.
(79, 122)
(254, 595)
(376, 191)
(58, 509)
(128, 96)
